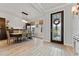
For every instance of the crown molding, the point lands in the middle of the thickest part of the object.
(61, 6)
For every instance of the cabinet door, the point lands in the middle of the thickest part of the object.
(2, 29)
(0, 34)
(2, 22)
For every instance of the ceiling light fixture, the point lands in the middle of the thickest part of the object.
(24, 17)
(75, 9)
(24, 21)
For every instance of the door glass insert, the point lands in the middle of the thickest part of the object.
(57, 27)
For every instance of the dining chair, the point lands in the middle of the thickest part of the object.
(24, 34)
(8, 36)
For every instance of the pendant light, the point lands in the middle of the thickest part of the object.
(75, 9)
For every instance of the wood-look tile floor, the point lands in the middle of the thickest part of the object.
(35, 47)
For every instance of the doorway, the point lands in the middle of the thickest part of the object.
(57, 27)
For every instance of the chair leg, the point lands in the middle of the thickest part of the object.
(8, 41)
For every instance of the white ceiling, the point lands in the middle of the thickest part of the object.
(33, 9)
(47, 6)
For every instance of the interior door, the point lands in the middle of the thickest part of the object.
(57, 27)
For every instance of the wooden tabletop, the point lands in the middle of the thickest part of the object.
(15, 33)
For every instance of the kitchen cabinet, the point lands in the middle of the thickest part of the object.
(2, 29)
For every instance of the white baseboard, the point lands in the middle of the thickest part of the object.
(47, 40)
(67, 44)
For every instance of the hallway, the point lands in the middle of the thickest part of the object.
(35, 47)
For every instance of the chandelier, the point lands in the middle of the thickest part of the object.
(75, 9)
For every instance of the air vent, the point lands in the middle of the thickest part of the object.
(24, 13)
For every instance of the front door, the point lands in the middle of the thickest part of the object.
(57, 27)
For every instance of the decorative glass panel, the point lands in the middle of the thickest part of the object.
(56, 20)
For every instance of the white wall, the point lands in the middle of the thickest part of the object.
(76, 24)
(68, 17)
(15, 22)
(76, 30)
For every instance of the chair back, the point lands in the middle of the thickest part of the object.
(8, 34)
(24, 33)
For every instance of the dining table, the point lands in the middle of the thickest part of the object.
(17, 35)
